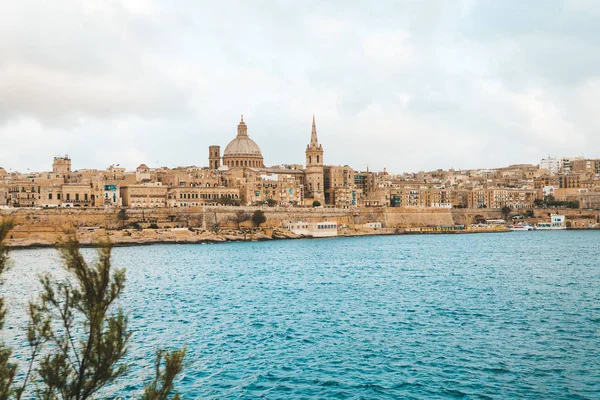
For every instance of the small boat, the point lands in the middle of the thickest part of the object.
(520, 227)
(557, 222)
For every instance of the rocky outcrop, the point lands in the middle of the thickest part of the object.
(132, 237)
(284, 234)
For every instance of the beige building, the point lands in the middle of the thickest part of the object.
(62, 166)
(214, 157)
(365, 182)
(283, 187)
(479, 198)
(23, 193)
(197, 196)
(339, 186)
(51, 196)
(77, 195)
(3, 195)
(144, 175)
(147, 195)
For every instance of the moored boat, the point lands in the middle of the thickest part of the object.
(520, 227)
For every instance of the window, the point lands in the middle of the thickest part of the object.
(76, 196)
(57, 196)
(49, 196)
(68, 196)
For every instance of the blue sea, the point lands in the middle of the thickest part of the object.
(482, 316)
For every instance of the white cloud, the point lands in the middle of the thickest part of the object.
(402, 85)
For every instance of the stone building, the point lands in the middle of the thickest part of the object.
(3, 195)
(51, 196)
(282, 186)
(242, 152)
(77, 195)
(197, 196)
(143, 174)
(145, 195)
(214, 157)
(339, 186)
(364, 181)
(62, 166)
(314, 167)
(23, 193)
(479, 198)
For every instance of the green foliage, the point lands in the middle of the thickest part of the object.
(162, 385)
(76, 340)
(259, 217)
(505, 211)
(271, 202)
(82, 357)
(316, 203)
(122, 216)
(153, 226)
(241, 216)
(135, 225)
(550, 201)
(7, 369)
(228, 202)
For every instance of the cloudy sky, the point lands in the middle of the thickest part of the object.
(408, 85)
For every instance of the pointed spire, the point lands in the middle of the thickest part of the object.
(314, 141)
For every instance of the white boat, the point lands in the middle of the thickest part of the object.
(520, 227)
(557, 222)
(313, 229)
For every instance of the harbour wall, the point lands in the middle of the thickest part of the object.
(59, 220)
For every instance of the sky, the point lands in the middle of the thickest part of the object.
(404, 85)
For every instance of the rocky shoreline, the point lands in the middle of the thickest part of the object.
(146, 237)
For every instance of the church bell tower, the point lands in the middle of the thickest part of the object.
(314, 166)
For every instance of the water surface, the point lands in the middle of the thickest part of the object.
(514, 315)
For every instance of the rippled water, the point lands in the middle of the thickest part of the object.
(513, 315)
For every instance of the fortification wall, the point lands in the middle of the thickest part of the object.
(59, 219)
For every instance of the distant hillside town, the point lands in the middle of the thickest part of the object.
(239, 177)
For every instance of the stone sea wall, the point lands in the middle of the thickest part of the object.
(60, 219)
(215, 224)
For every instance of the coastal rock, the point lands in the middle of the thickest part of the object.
(284, 234)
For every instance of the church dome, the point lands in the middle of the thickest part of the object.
(242, 151)
(242, 146)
